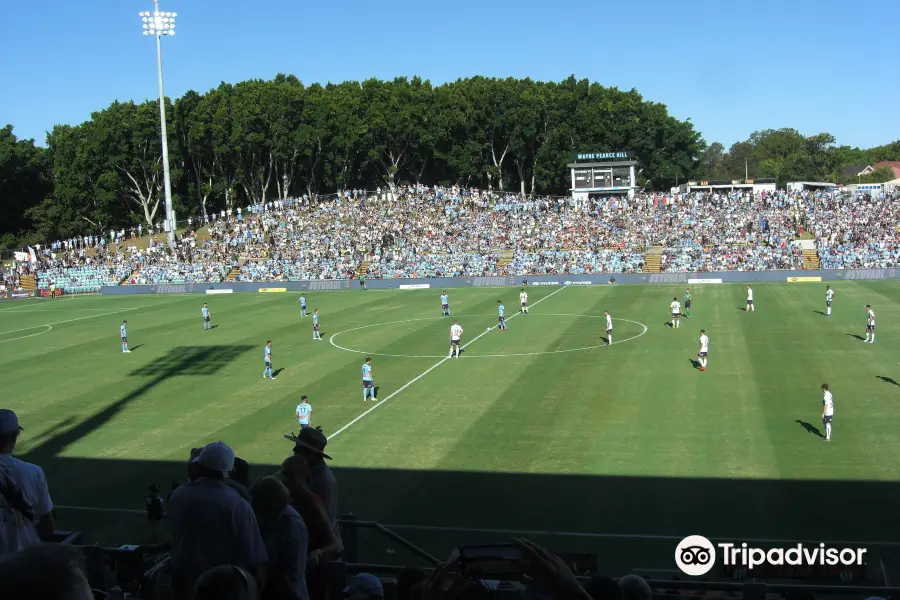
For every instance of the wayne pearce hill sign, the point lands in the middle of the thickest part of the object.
(603, 155)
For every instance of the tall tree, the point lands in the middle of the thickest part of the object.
(24, 183)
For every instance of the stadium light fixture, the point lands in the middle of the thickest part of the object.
(158, 24)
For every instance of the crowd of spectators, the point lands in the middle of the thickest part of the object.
(418, 232)
(224, 537)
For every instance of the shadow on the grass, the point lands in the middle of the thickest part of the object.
(810, 428)
(181, 361)
(887, 379)
(463, 502)
(484, 506)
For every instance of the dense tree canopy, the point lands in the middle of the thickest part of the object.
(261, 140)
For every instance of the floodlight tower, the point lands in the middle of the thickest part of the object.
(159, 24)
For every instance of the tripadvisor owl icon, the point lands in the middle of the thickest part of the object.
(695, 555)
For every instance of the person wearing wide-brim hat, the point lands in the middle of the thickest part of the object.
(310, 444)
(312, 441)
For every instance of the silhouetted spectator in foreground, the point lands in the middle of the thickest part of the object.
(26, 510)
(310, 444)
(155, 513)
(226, 582)
(635, 588)
(212, 525)
(364, 587)
(286, 540)
(44, 572)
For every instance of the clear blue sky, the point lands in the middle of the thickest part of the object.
(732, 67)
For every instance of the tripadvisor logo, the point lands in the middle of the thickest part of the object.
(695, 555)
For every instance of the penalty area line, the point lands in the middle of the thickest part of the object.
(380, 403)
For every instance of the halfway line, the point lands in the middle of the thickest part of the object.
(427, 371)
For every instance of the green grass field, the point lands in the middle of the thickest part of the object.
(542, 429)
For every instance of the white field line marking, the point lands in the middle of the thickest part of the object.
(22, 337)
(52, 309)
(381, 403)
(68, 321)
(634, 337)
(542, 532)
(34, 302)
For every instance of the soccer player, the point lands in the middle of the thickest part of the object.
(368, 382)
(523, 300)
(829, 296)
(302, 305)
(870, 324)
(445, 304)
(750, 307)
(316, 335)
(500, 316)
(676, 313)
(304, 413)
(687, 303)
(827, 410)
(124, 335)
(704, 350)
(205, 312)
(455, 334)
(267, 373)
(608, 328)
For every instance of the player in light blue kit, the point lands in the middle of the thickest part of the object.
(302, 305)
(501, 316)
(445, 304)
(316, 335)
(124, 335)
(268, 358)
(304, 413)
(205, 312)
(368, 382)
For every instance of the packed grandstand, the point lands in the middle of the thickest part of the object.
(437, 232)
(414, 233)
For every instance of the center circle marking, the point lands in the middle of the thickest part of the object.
(582, 349)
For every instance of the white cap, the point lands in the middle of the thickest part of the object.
(217, 456)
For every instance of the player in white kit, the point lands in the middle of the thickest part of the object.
(827, 411)
(829, 296)
(523, 299)
(676, 313)
(455, 335)
(704, 350)
(608, 329)
(750, 307)
(870, 324)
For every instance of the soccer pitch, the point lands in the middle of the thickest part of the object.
(542, 429)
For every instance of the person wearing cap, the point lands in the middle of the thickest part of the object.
(26, 510)
(310, 444)
(364, 586)
(211, 524)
